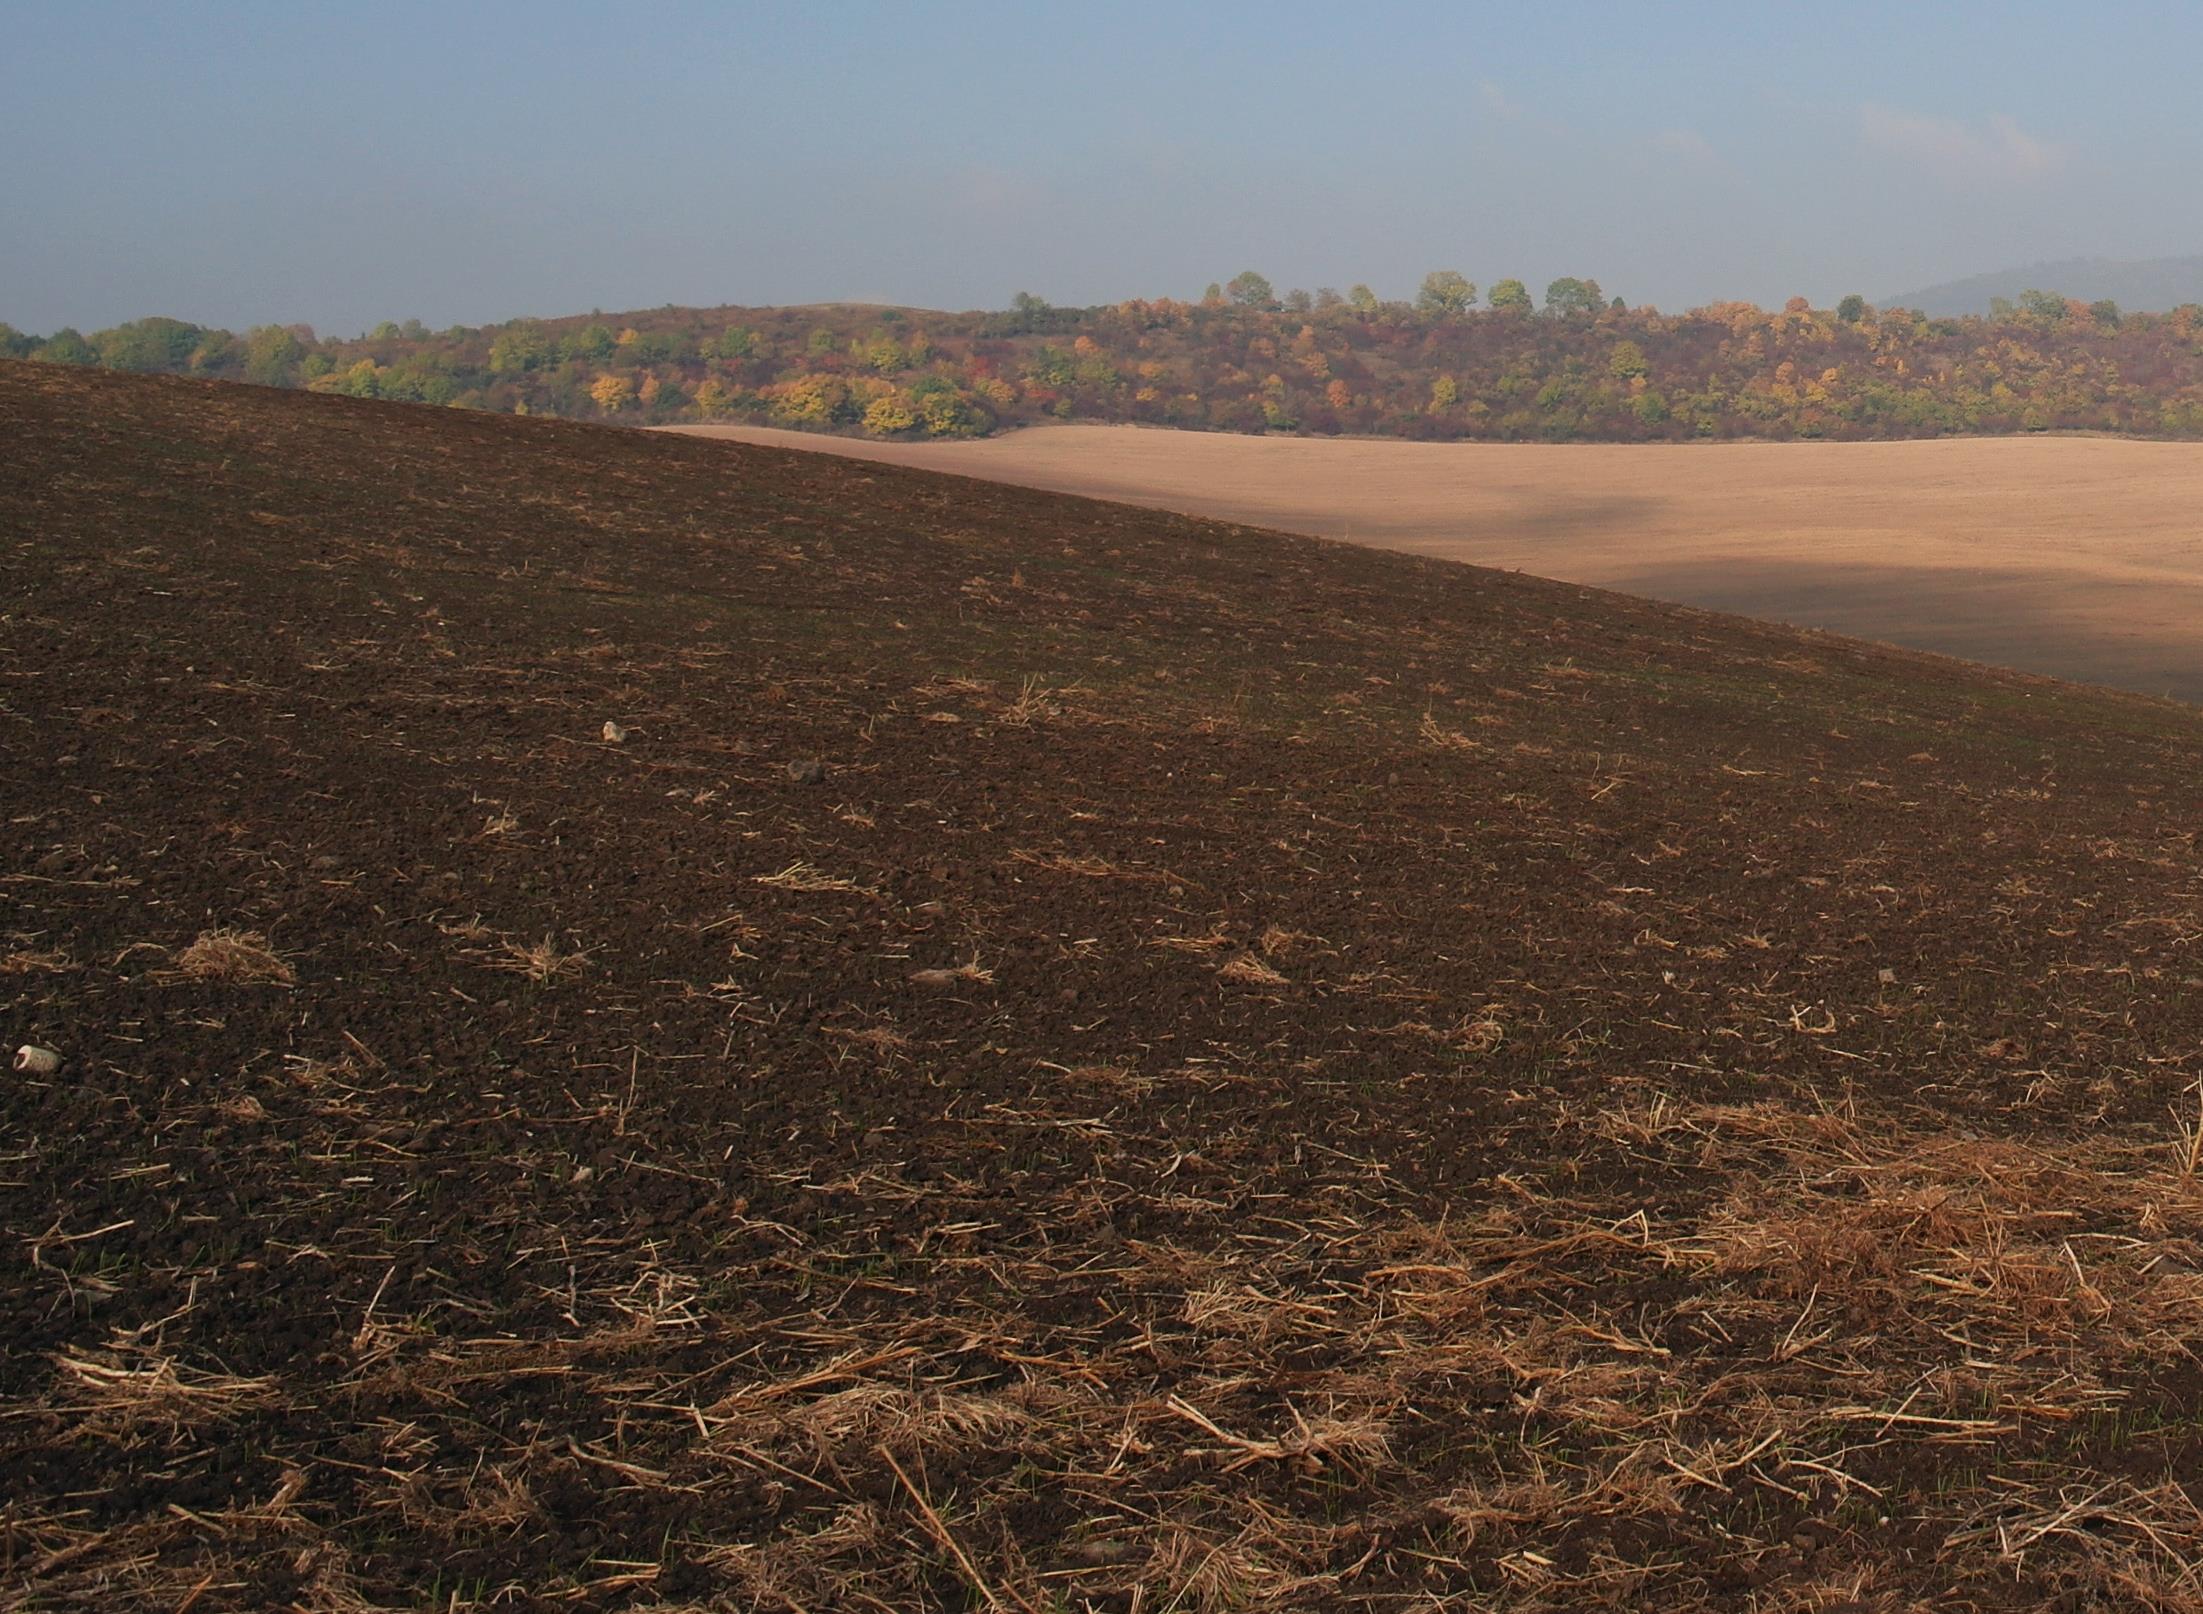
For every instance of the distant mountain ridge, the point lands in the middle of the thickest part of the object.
(2148, 285)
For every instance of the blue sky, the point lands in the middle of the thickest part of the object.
(466, 162)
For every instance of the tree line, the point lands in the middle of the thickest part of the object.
(1449, 363)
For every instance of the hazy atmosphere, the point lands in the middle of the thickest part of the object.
(1100, 810)
(239, 164)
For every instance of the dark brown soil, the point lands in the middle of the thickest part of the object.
(1264, 1075)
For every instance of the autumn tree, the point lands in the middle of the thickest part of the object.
(1445, 293)
(811, 400)
(1363, 299)
(946, 414)
(889, 414)
(612, 393)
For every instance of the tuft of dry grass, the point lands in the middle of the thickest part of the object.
(1444, 738)
(1035, 703)
(136, 1392)
(1248, 970)
(800, 876)
(233, 957)
(30, 961)
(538, 961)
(971, 971)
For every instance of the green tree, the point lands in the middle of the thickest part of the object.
(1512, 297)
(1569, 296)
(66, 346)
(1445, 293)
(1363, 299)
(273, 356)
(1627, 362)
(13, 343)
(519, 347)
(2048, 306)
(147, 345)
(1852, 309)
(2105, 313)
(593, 342)
(736, 342)
(1250, 290)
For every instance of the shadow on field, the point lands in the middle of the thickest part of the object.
(2135, 635)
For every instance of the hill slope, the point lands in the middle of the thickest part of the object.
(1264, 1075)
(2073, 557)
(2152, 284)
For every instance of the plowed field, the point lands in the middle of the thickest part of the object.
(1053, 1057)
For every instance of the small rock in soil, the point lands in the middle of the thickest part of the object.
(809, 771)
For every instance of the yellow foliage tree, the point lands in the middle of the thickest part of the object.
(1445, 392)
(811, 400)
(889, 414)
(612, 393)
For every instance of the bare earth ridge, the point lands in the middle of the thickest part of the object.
(2075, 557)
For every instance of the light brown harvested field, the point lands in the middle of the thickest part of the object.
(2077, 557)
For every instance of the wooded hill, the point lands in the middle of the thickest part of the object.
(1245, 360)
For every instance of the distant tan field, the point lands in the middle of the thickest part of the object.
(2076, 557)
